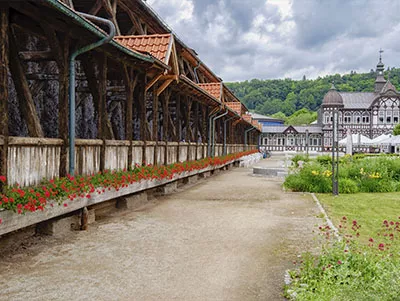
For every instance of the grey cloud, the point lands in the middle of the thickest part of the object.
(325, 36)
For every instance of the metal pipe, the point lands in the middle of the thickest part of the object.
(209, 133)
(245, 134)
(225, 122)
(213, 132)
(72, 58)
(195, 72)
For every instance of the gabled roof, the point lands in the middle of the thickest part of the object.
(357, 100)
(214, 89)
(263, 117)
(279, 129)
(158, 45)
(387, 87)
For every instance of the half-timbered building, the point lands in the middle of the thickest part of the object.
(368, 113)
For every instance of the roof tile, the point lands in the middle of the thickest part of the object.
(212, 88)
(157, 45)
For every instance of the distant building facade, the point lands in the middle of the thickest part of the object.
(368, 113)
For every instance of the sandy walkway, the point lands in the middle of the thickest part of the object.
(230, 237)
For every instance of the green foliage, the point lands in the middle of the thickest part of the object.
(396, 130)
(299, 157)
(268, 97)
(325, 160)
(313, 177)
(348, 186)
(279, 115)
(365, 265)
(347, 271)
(369, 174)
(301, 117)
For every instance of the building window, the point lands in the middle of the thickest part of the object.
(347, 118)
(395, 116)
(357, 118)
(388, 116)
(327, 118)
(381, 117)
(365, 118)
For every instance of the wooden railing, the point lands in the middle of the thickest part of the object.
(30, 160)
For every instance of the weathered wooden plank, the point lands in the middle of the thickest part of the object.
(25, 99)
(36, 56)
(4, 63)
(154, 135)
(32, 141)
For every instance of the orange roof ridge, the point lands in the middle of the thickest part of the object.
(145, 35)
(158, 45)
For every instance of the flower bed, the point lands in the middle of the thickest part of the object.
(350, 269)
(362, 174)
(63, 191)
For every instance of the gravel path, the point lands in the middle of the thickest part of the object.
(230, 237)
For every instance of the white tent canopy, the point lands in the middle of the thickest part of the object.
(357, 139)
(393, 140)
(378, 140)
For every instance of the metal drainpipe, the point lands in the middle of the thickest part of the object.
(195, 72)
(245, 135)
(210, 119)
(72, 83)
(225, 122)
(213, 132)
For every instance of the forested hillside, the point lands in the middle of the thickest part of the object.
(268, 97)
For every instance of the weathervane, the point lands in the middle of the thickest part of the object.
(380, 54)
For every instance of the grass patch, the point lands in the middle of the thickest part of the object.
(365, 265)
(368, 209)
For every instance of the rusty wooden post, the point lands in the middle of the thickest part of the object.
(154, 134)
(25, 99)
(130, 83)
(4, 63)
(63, 103)
(143, 115)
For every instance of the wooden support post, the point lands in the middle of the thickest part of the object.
(187, 119)
(130, 84)
(25, 99)
(178, 118)
(196, 122)
(154, 135)
(204, 116)
(4, 53)
(155, 125)
(166, 121)
(143, 115)
(63, 98)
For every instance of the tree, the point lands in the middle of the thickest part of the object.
(288, 95)
(396, 130)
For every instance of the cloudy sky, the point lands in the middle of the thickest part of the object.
(265, 39)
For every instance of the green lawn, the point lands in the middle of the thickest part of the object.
(368, 209)
(354, 269)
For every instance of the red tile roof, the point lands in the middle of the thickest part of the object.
(212, 88)
(157, 45)
(238, 107)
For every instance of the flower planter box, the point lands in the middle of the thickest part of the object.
(12, 221)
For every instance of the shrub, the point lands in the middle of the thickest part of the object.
(348, 186)
(325, 160)
(298, 157)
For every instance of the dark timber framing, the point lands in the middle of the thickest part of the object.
(121, 93)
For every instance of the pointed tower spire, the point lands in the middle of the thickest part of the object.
(380, 79)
